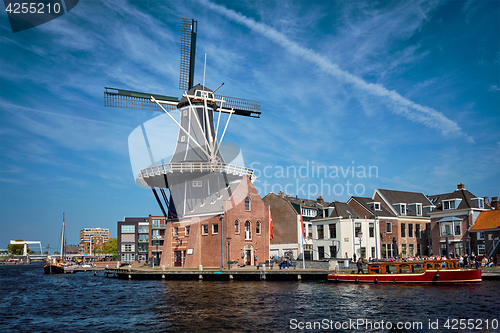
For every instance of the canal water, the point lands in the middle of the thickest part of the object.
(31, 301)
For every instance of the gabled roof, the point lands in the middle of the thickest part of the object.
(305, 203)
(487, 220)
(394, 197)
(364, 202)
(463, 194)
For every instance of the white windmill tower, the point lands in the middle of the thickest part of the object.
(197, 176)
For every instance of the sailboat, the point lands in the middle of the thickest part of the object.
(53, 264)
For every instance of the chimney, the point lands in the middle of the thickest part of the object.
(320, 200)
(281, 194)
(461, 186)
(494, 203)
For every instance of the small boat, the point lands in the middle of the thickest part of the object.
(420, 271)
(56, 265)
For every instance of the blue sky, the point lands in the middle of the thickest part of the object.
(409, 90)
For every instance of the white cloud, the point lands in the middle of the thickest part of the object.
(392, 99)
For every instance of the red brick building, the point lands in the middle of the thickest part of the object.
(241, 227)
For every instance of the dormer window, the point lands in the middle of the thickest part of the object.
(451, 204)
(375, 205)
(479, 202)
(401, 208)
(204, 94)
(429, 208)
(417, 208)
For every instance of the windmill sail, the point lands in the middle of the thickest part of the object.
(189, 29)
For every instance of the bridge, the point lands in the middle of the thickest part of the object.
(25, 243)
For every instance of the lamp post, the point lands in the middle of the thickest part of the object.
(228, 256)
(360, 234)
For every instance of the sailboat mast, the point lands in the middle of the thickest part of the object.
(62, 241)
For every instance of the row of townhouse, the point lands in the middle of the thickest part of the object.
(388, 224)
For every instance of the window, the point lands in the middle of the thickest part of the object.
(247, 203)
(128, 247)
(321, 252)
(387, 250)
(143, 238)
(388, 227)
(403, 249)
(376, 205)
(373, 252)
(128, 256)
(451, 204)
(215, 229)
(176, 231)
(401, 208)
(188, 229)
(459, 249)
(128, 228)
(410, 230)
(333, 251)
(357, 229)
(446, 228)
(479, 202)
(333, 230)
(403, 229)
(480, 235)
(309, 230)
(204, 229)
(481, 250)
(371, 230)
(144, 229)
(456, 227)
(236, 227)
(257, 227)
(418, 233)
(248, 231)
(417, 208)
(411, 252)
(197, 183)
(156, 223)
(319, 229)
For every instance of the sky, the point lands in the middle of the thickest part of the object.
(355, 95)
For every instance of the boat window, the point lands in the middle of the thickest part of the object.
(437, 266)
(375, 269)
(418, 268)
(429, 266)
(404, 269)
(453, 265)
(391, 269)
(443, 265)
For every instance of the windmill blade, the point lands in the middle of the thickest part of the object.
(189, 29)
(241, 107)
(120, 98)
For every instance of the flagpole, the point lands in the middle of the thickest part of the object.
(303, 235)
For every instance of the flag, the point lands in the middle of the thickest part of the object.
(302, 225)
(270, 225)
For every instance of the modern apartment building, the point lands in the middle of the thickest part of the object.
(133, 239)
(92, 240)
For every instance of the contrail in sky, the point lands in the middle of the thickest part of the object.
(397, 103)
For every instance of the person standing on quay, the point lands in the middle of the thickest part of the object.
(360, 266)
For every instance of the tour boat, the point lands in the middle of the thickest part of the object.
(420, 271)
(55, 265)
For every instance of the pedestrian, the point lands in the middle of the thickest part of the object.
(359, 264)
(354, 257)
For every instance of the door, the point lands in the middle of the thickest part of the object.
(177, 258)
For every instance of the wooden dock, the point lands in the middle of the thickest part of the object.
(214, 274)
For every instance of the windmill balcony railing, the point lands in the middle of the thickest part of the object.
(162, 169)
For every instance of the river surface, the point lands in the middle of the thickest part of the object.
(31, 301)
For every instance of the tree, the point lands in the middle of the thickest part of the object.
(111, 246)
(17, 248)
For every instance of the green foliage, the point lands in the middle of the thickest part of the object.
(17, 248)
(110, 247)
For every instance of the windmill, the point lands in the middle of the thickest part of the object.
(197, 175)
